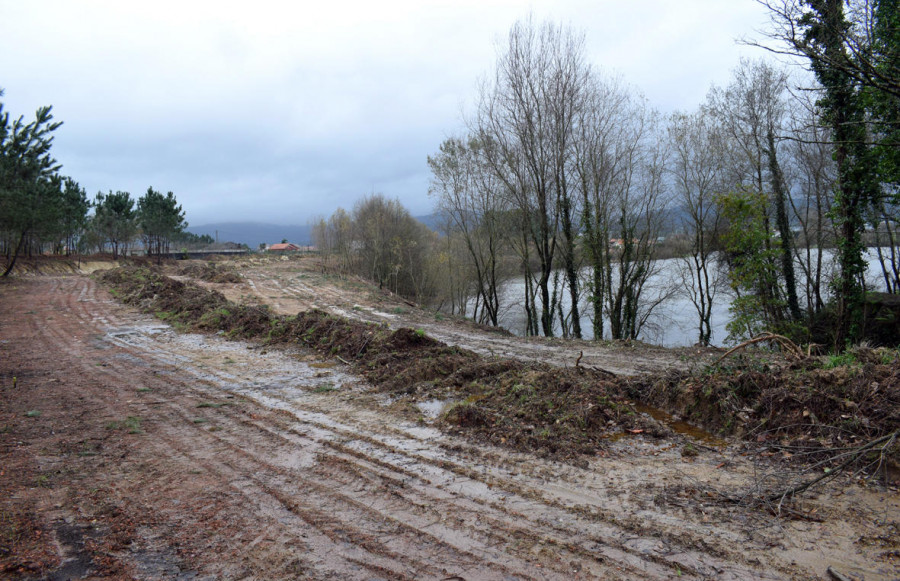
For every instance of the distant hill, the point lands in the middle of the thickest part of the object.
(431, 220)
(254, 233)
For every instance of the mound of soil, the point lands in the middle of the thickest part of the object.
(555, 412)
(811, 400)
(210, 272)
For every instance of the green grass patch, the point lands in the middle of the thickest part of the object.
(131, 424)
(842, 360)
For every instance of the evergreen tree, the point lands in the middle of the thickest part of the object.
(115, 220)
(73, 213)
(27, 171)
(161, 219)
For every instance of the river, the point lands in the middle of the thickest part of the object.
(674, 323)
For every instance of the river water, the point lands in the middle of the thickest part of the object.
(674, 323)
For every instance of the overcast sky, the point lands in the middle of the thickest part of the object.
(281, 111)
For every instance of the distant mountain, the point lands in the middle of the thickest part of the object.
(254, 233)
(431, 220)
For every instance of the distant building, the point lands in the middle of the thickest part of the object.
(283, 247)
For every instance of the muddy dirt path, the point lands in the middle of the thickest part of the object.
(292, 285)
(133, 451)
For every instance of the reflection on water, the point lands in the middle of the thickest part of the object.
(674, 323)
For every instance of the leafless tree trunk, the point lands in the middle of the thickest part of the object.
(471, 198)
(636, 218)
(526, 117)
(601, 166)
(751, 111)
(814, 176)
(697, 172)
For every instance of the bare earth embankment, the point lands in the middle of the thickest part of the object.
(132, 450)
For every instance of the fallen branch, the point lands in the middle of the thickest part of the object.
(861, 451)
(837, 576)
(605, 372)
(785, 343)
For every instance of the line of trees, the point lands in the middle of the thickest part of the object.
(570, 178)
(558, 161)
(42, 211)
(381, 241)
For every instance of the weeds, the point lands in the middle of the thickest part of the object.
(132, 424)
(842, 360)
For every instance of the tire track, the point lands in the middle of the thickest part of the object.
(356, 493)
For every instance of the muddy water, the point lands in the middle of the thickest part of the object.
(681, 427)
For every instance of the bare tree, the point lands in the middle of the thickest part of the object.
(599, 168)
(526, 114)
(813, 178)
(852, 53)
(334, 237)
(836, 38)
(470, 196)
(637, 218)
(379, 240)
(697, 172)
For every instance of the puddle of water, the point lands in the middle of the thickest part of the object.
(432, 408)
(322, 364)
(680, 427)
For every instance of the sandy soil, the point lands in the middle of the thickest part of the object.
(132, 451)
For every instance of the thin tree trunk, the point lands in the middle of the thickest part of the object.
(12, 262)
(787, 254)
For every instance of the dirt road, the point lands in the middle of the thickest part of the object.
(132, 451)
(295, 285)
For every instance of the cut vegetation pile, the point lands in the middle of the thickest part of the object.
(558, 412)
(828, 402)
(552, 411)
(210, 272)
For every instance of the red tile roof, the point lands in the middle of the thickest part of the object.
(287, 246)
